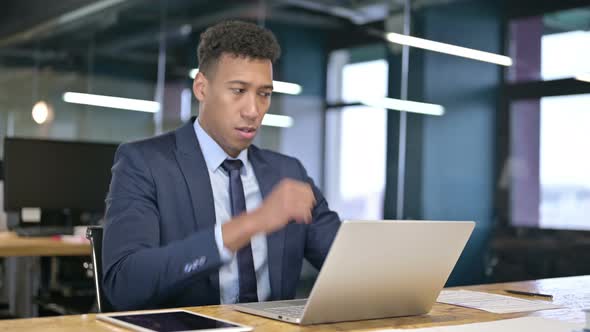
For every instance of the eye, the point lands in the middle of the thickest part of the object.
(238, 91)
(265, 94)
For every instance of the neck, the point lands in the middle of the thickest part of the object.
(230, 152)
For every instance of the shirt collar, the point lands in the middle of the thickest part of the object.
(212, 152)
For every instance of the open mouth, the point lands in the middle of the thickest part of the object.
(246, 132)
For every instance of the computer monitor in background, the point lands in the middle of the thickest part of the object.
(61, 178)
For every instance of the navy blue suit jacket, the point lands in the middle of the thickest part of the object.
(159, 245)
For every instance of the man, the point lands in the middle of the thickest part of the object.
(199, 216)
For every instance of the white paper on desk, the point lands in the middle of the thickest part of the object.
(499, 304)
(523, 324)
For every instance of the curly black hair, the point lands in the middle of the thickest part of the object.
(236, 38)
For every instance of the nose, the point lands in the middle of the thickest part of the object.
(250, 111)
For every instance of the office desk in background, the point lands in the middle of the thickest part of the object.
(12, 245)
(572, 293)
(22, 265)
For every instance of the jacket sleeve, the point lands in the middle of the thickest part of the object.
(322, 231)
(137, 271)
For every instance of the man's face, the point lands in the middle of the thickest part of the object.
(233, 100)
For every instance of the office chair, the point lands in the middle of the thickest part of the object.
(94, 234)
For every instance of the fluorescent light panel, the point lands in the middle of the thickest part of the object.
(112, 102)
(286, 87)
(275, 120)
(448, 49)
(405, 105)
(278, 86)
(193, 73)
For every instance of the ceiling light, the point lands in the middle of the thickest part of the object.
(112, 102)
(278, 86)
(275, 120)
(286, 87)
(40, 112)
(448, 49)
(405, 105)
(193, 73)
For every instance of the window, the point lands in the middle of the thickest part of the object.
(548, 164)
(565, 55)
(551, 46)
(550, 167)
(356, 143)
(564, 162)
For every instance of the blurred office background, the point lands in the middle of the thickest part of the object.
(509, 150)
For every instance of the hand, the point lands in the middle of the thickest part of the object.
(289, 200)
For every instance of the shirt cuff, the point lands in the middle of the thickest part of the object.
(225, 254)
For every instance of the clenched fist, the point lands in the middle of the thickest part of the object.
(289, 200)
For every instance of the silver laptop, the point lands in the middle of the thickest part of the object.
(376, 269)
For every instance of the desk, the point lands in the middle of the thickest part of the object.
(23, 266)
(12, 245)
(573, 293)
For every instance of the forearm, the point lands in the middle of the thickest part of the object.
(148, 276)
(238, 231)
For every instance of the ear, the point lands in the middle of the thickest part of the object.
(200, 86)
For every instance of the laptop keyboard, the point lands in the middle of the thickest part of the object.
(291, 311)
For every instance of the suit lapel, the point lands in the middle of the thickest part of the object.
(267, 178)
(192, 164)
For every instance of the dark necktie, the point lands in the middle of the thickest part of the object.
(247, 275)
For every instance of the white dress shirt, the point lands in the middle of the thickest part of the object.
(214, 155)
